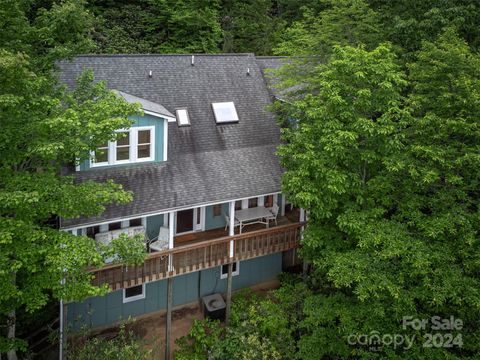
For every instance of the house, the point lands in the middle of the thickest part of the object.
(205, 179)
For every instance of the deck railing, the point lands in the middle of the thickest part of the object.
(201, 255)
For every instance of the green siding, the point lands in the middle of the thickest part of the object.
(214, 222)
(146, 120)
(108, 309)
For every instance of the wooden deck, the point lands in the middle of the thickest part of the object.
(193, 255)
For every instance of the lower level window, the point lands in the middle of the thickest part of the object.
(235, 270)
(134, 293)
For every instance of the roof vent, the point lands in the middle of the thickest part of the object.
(193, 60)
(150, 74)
(248, 71)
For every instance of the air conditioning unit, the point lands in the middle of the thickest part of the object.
(214, 307)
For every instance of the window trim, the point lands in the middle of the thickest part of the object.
(136, 297)
(234, 273)
(133, 148)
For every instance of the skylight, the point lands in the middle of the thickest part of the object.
(225, 112)
(182, 117)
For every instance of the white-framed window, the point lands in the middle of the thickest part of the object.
(134, 293)
(137, 145)
(224, 270)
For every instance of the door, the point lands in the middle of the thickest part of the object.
(185, 221)
(190, 220)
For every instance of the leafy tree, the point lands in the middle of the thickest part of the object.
(250, 26)
(44, 127)
(408, 22)
(125, 346)
(260, 328)
(157, 26)
(386, 165)
(342, 22)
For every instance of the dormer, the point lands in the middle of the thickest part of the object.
(145, 141)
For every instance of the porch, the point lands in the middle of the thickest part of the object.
(206, 249)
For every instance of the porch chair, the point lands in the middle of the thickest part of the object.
(274, 211)
(160, 242)
(227, 222)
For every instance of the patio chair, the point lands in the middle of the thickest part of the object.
(160, 242)
(227, 222)
(274, 211)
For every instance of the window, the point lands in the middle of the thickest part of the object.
(224, 270)
(253, 202)
(136, 222)
(268, 201)
(101, 155)
(114, 226)
(238, 205)
(134, 293)
(136, 145)
(92, 231)
(182, 117)
(122, 148)
(225, 112)
(217, 210)
(144, 147)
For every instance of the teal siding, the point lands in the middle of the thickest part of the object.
(279, 200)
(105, 310)
(153, 225)
(146, 120)
(214, 222)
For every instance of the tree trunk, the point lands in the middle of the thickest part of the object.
(12, 320)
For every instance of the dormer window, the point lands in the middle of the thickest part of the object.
(182, 117)
(137, 145)
(225, 112)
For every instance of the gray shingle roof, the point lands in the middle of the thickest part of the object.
(207, 162)
(146, 105)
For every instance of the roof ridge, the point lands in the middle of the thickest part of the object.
(165, 55)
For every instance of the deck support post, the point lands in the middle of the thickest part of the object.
(231, 232)
(303, 218)
(229, 294)
(168, 331)
(168, 320)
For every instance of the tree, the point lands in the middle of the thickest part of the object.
(250, 26)
(408, 22)
(45, 127)
(342, 22)
(157, 26)
(387, 167)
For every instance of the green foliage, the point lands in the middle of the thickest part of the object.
(386, 163)
(249, 26)
(409, 22)
(123, 347)
(339, 23)
(157, 26)
(45, 128)
(199, 342)
(260, 328)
